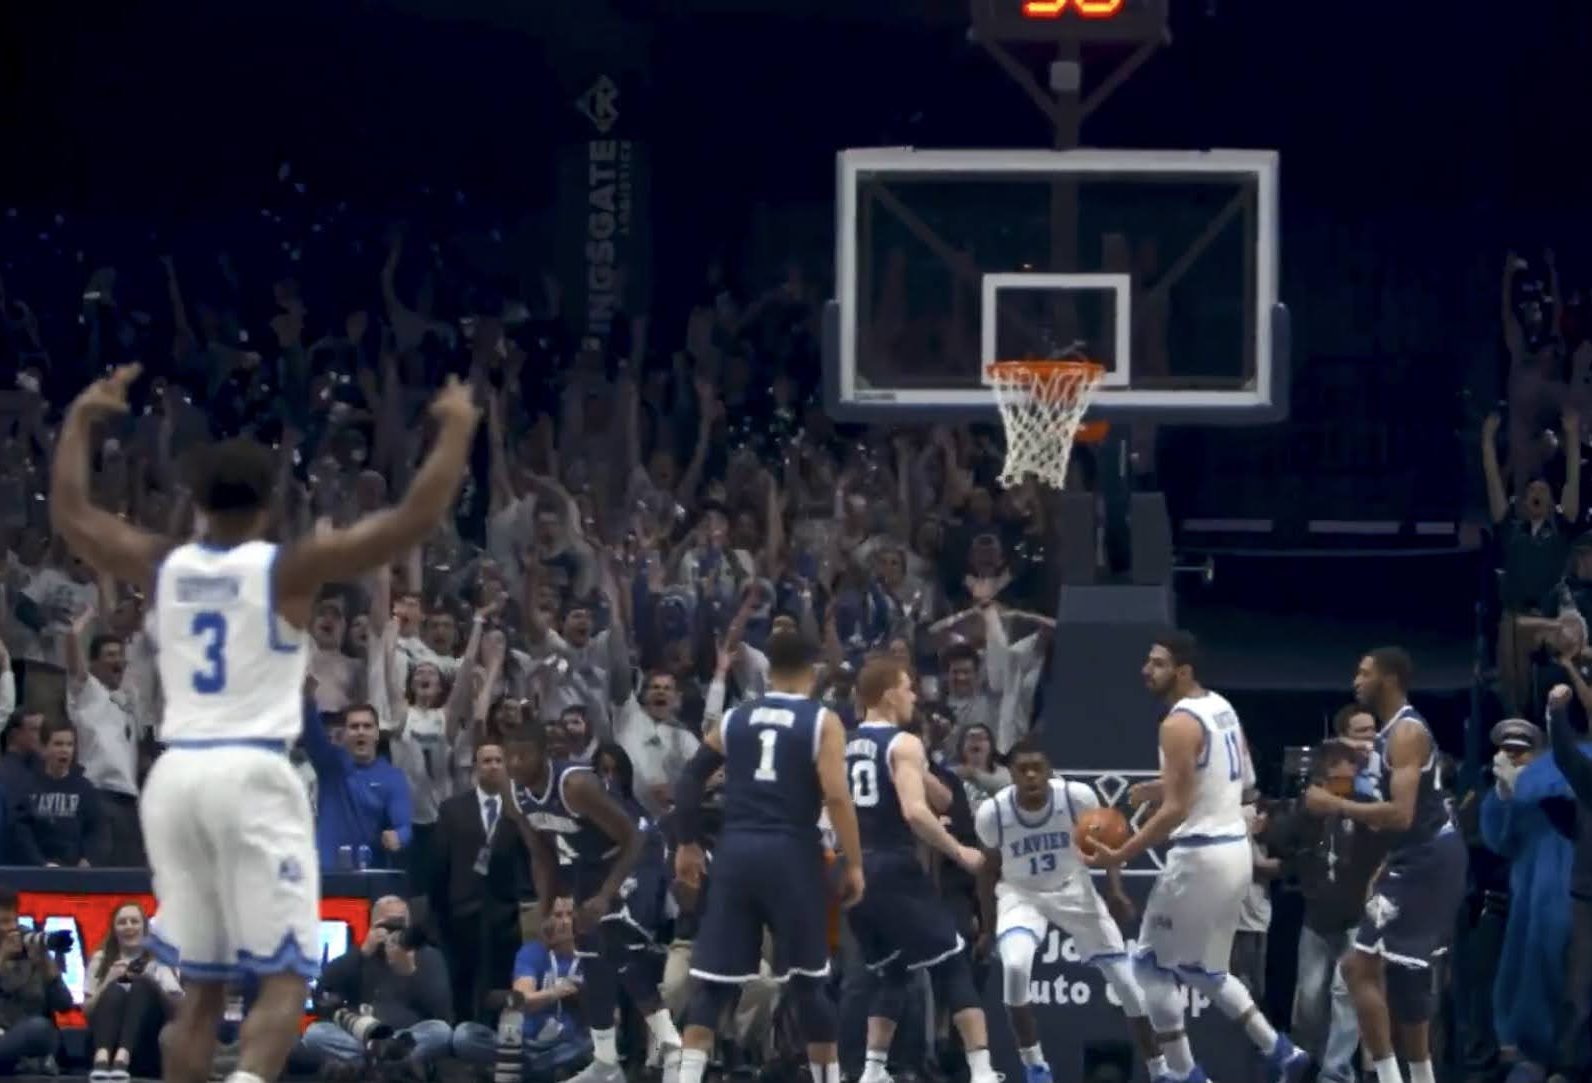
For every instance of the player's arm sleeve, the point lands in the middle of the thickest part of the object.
(688, 790)
(986, 825)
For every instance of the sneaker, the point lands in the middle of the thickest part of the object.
(100, 1075)
(1286, 1063)
(598, 1072)
(1038, 1073)
(1195, 1075)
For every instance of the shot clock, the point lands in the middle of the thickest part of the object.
(1060, 20)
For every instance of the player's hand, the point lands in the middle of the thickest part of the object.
(851, 885)
(1321, 801)
(1121, 907)
(690, 865)
(107, 395)
(390, 841)
(1144, 793)
(455, 405)
(1559, 697)
(1098, 855)
(970, 859)
(592, 911)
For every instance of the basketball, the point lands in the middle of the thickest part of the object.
(1106, 824)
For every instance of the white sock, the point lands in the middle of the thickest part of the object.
(1421, 1072)
(825, 1073)
(978, 1064)
(1387, 1070)
(1033, 1055)
(605, 1049)
(693, 1062)
(1178, 1056)
(661, 1024)
(1262, 1033)
(873, 1068)
(1156, 1066)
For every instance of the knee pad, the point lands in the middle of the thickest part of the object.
(1230, 995)
(1017, 949)
(889, 998)
(1118, 973)
(1409, 993)
(707, 1003)
(1163, 1000)
(952, 980)
(814, 1010)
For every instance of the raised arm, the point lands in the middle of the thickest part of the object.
(380, 538)
(110, 544)
(1570, 495)
(1497, 495)
(1567, 756)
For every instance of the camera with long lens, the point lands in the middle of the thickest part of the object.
(58, 942)
(357, 1022)
(409, 937)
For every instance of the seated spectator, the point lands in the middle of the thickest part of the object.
(361, 798)
(31, 992)
(60, 822)
(128, 997)
(547, 975)
(404, 984)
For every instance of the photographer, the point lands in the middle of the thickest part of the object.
(31, 989)
(394, 979)
(127, 997)
(1333, 863)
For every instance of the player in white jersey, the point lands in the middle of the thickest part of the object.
(1186, 935)
(1032, 879)
(228, 829)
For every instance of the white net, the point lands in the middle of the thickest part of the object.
(1042, 404)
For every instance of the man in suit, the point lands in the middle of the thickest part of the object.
(480, 876)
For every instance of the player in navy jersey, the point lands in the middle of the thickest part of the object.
(901, 925)
(1409, 915)
(563, 810)
(784, 762)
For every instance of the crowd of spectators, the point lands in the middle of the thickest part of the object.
(641, 514)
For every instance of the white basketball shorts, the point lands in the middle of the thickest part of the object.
(231, 844)
(1076, 909)
(1192, 912)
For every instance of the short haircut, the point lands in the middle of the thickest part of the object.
(8, 899)
(880, 675)
(1027, 745)
(14, 722)
(959, 652)
(789, 653)
(60, 726)
(1332, 753)
(1181, 645)
(234, 477)
(1346, 713)
(361, 707)
(532, 733)
(97, 645)
(485, 744)
(1393, 662)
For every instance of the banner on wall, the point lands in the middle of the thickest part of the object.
(88, 915)
(604, 211)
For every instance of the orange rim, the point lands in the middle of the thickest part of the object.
(1039, 370)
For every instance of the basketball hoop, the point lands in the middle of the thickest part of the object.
(1042, 404)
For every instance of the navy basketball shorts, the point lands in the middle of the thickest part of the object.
(1409, 915)
(901, 920)
(763, 881)
(635, 912)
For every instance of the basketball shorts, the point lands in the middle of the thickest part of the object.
(1192, 912)
(1076, 909)
(636, 911)
(763, 881)
(1409, 915)
(231, 844)
(901, 920)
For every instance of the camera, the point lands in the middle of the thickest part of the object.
(136, 967)
(58, 942)
(357, 1022)
(409, 937)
